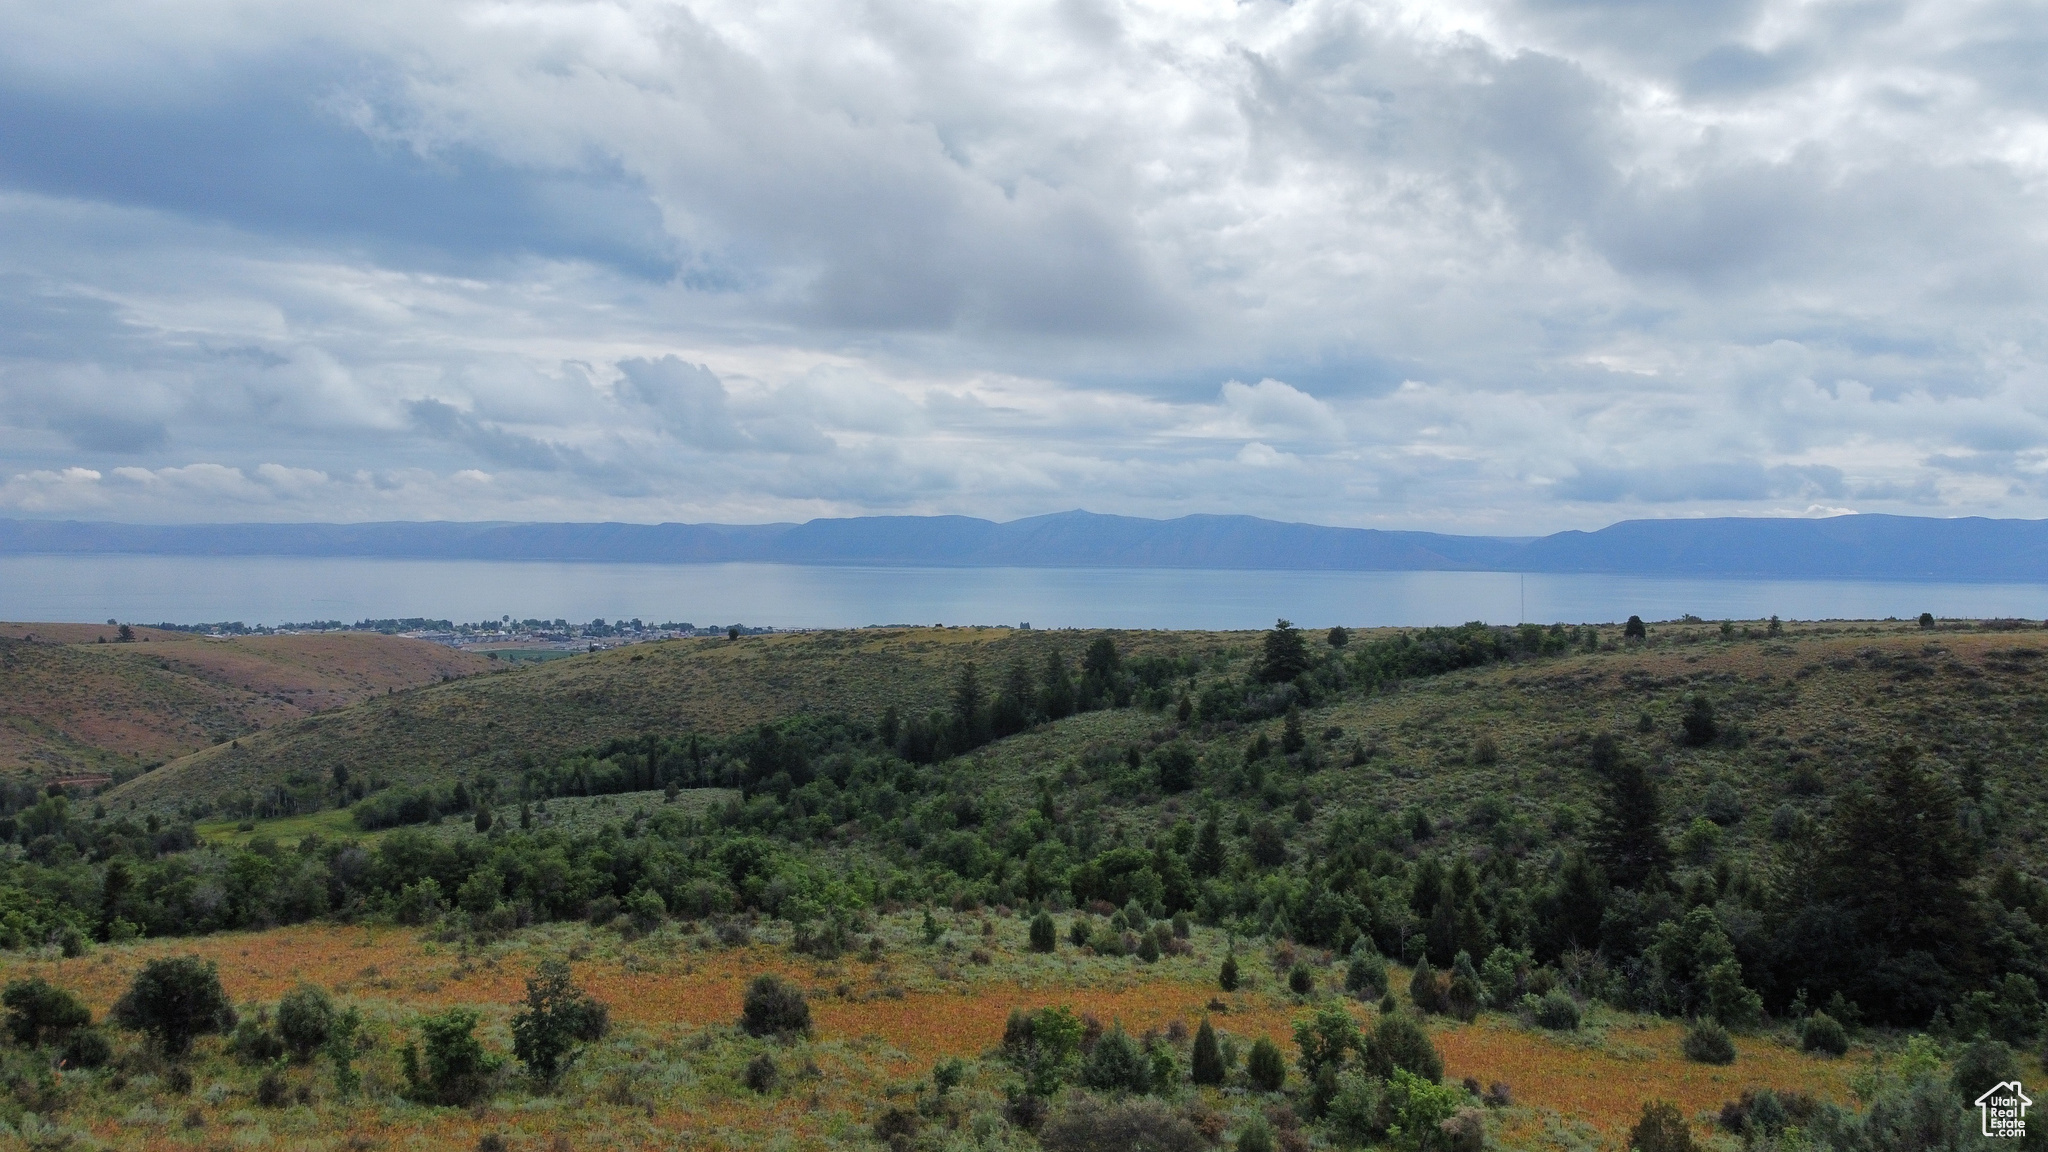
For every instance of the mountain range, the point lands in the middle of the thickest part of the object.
(1869, 546)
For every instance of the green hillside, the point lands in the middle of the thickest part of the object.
(491, 725)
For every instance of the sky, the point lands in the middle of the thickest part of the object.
(1505, 267)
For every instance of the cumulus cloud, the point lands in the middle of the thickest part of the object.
(1510, 265)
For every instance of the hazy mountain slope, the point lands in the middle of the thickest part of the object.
(85, 707)
(1886, 547)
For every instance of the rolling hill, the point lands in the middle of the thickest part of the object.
(75, 705)
(545, 711)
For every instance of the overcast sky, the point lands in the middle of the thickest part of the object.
(1484, 267)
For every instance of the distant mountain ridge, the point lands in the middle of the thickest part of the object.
(1872, 546)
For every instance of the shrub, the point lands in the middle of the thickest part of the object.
(558, 1017)
(1227, 978)
(897, 1126)
(39, 1012)
(1300, 980)
(271, 1089)
(1706, 1042)
(1044, 937)
(1823, 1034)
(1208, 1056)
(1698, 723)
(1087, 1125)
(947, 1074)
(457, 1070)
(1116, 1064)
(305, 1017)
(1366, 976)
(1265, 1067)
(646, 909)
(1981, 1065)
(1044, 1046)
(774, 1007)
(1661, 1129)
(86, 1048)
(1416, 1109)
(1722, 803)
(255, 1043)
(1323, 1040)
(1398, 1043)
(762, 1076)
(1465, 1131)
(1255, 1136)
(173, 1000)
(1556, 1011)
(1354, 1110)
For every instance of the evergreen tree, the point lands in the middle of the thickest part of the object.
(970, 717)
(1208, 1056)
(1044, 937)
(1014, 705)
(557, 1019)
(1207, 857)
(1292, 739)
(1285, 654)
(1056, 691)
(1900, 872)
(1628, 839)
(1265, 1066)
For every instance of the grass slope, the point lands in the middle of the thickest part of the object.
(486, 724)
(73, 705)
(1800, 715)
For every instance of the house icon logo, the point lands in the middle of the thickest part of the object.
(2004, 1110)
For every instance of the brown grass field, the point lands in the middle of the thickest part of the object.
(73, 705)
(667, 1077)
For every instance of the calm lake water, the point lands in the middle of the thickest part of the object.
(272, 590)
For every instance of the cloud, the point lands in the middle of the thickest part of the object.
(687, 400)
(1512, 265)
(1273, 408)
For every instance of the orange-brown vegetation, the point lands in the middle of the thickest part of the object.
(882, 1024)
(74, 706)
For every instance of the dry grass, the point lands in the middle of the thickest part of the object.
(669, 1077)
(82, 706)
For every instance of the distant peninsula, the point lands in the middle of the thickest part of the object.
(1969, 549)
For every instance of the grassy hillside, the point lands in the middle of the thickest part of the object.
(1496, 757)
(548, 710)
(1589, 873)
(74, 705)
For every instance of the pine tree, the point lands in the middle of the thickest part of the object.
(1285, 654)
(1207, 857)
(1208, 1056)
(1044, 938)
(1056, 687)
(1628, 839)
(1227, 978)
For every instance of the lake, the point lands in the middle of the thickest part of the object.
(273, 590)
